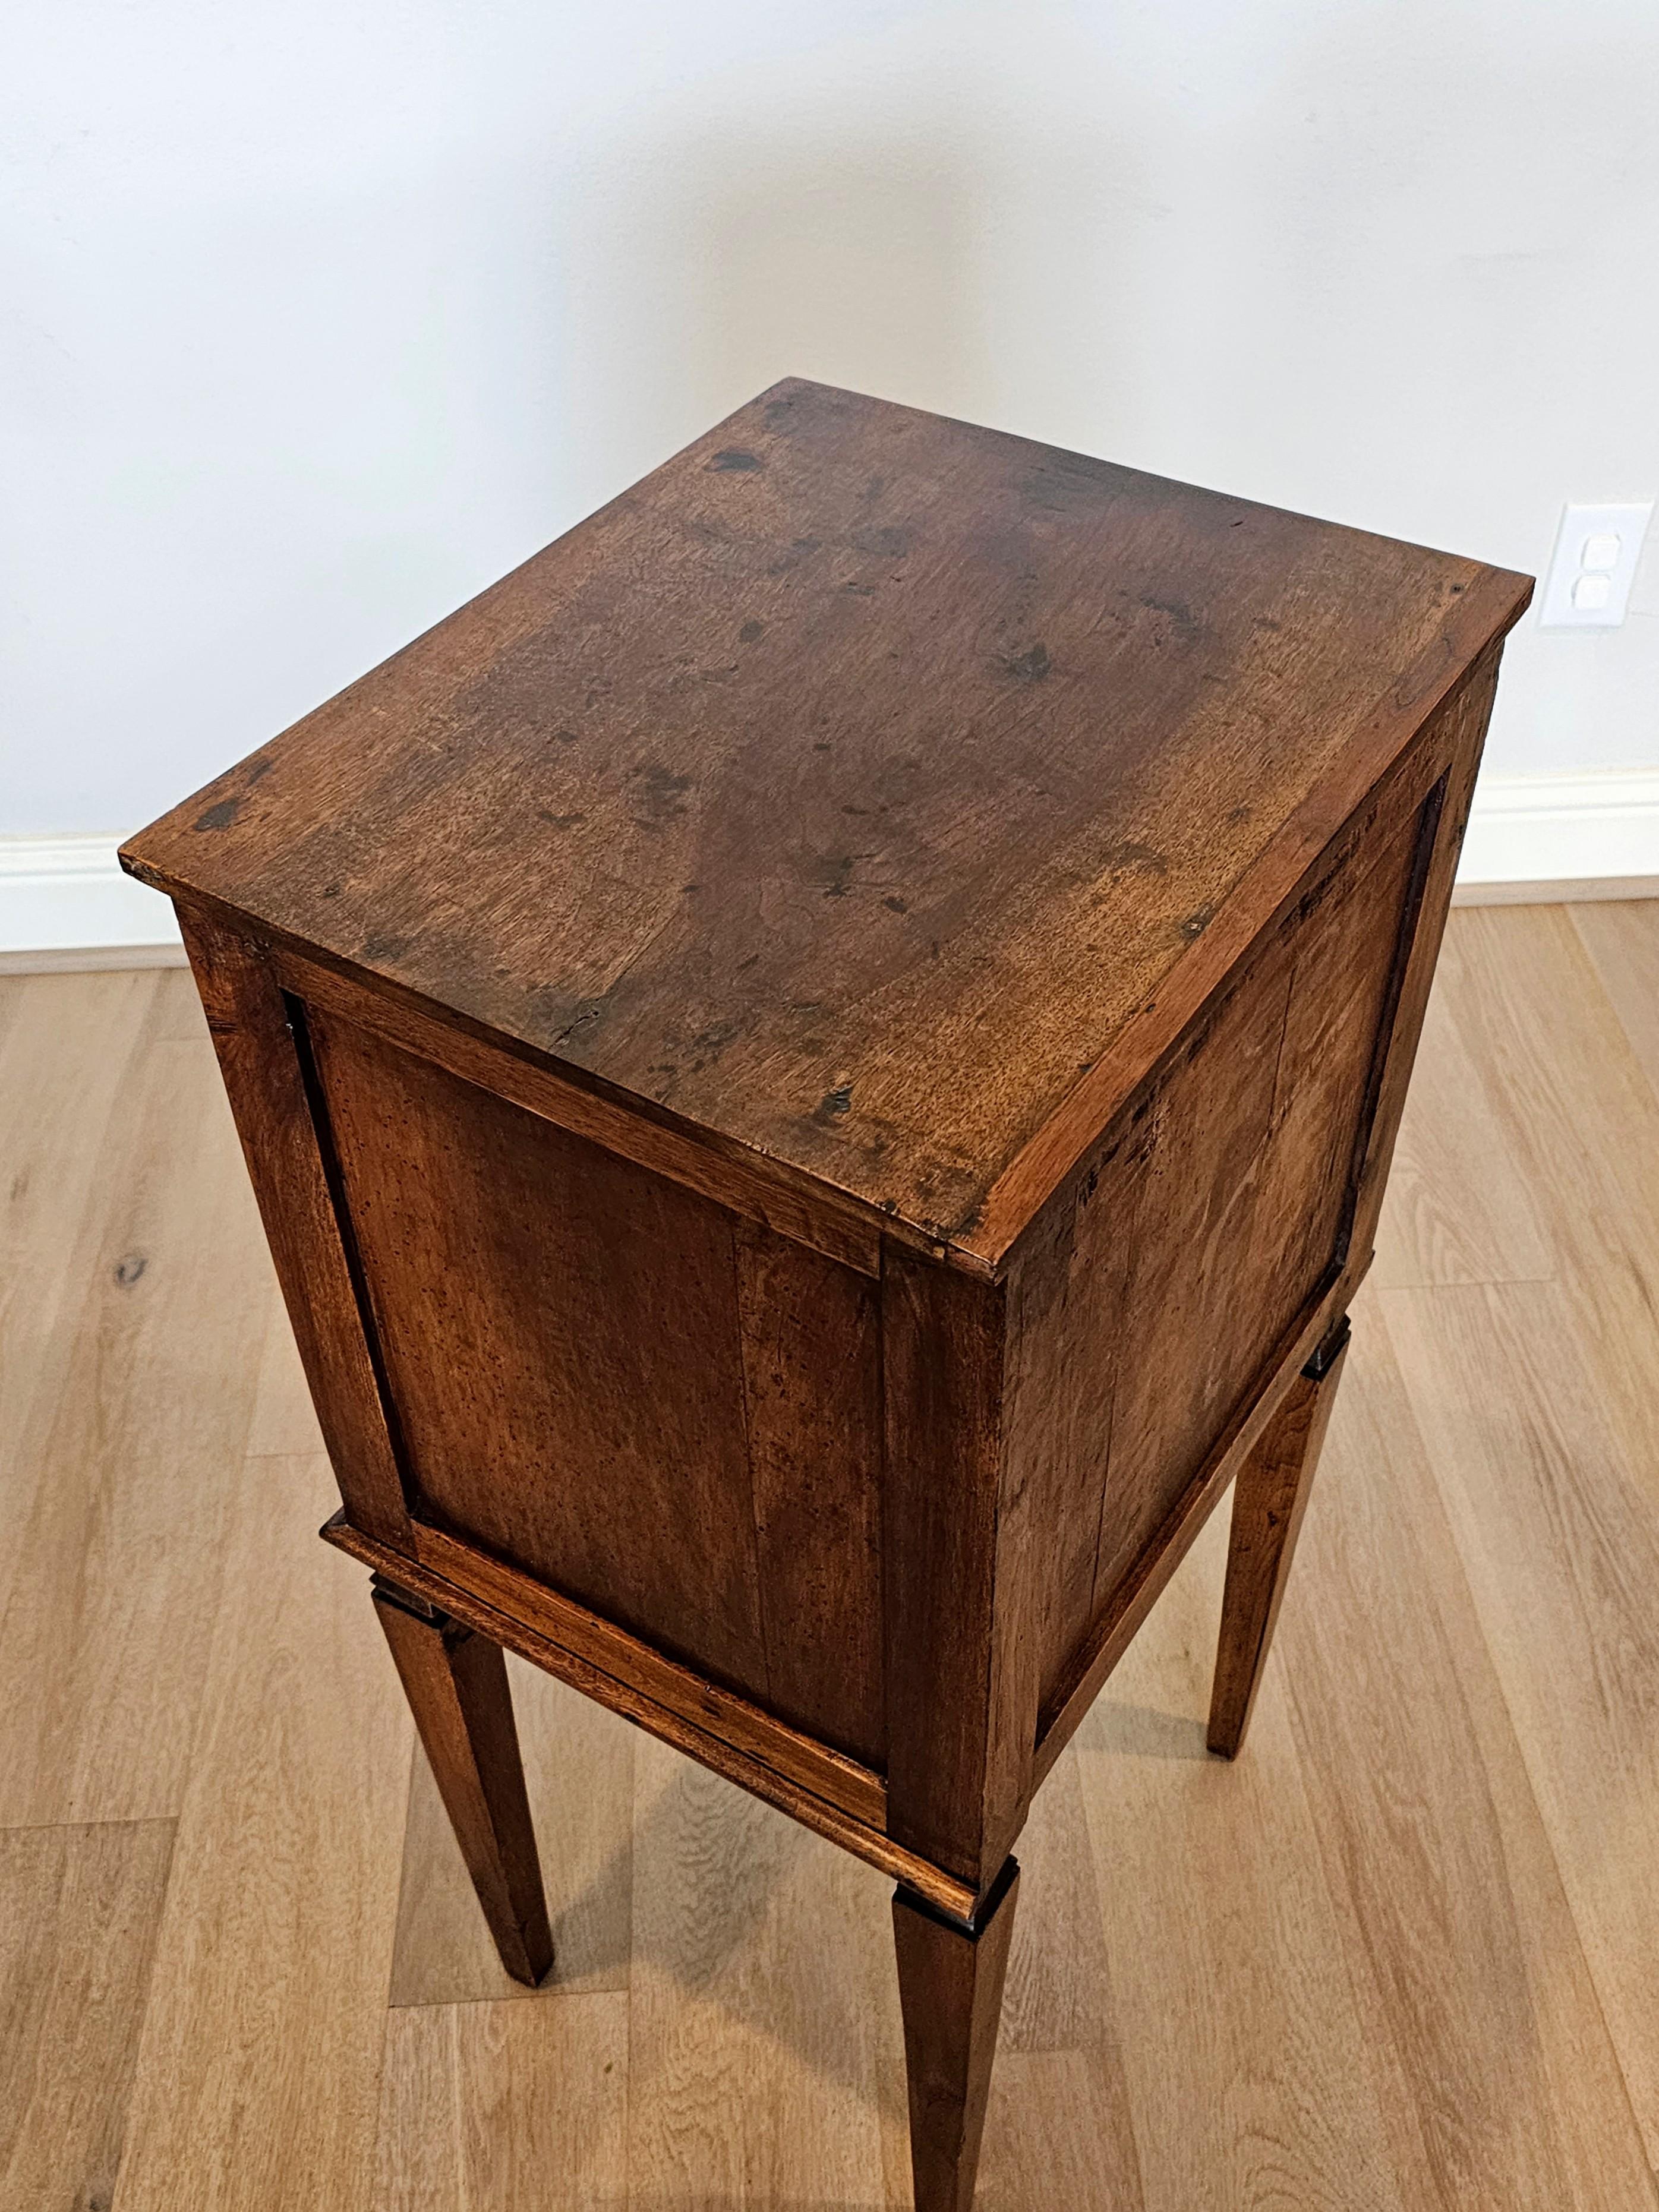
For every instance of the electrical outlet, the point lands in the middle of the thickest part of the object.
(1596, 551)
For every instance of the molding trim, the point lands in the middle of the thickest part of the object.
(66, 904)
(1554, 836)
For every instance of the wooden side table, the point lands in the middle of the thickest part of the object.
(819, 1065)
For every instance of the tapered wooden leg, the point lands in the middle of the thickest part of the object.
(1269, 1498)
(456, 1684)
(951, 1994)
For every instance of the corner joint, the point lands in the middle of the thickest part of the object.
(1328, 1353)
(983, 1913)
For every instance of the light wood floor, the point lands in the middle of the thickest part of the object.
(1404, 1955)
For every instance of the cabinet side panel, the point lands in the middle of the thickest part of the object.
(1215, 1215)
(1350, 960)
(564, 1337)
(1197, 1320)
(1461, 726)
(1066, 1333)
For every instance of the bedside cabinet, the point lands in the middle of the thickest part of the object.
(819, 1065)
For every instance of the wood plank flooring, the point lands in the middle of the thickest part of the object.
(1403, 1957)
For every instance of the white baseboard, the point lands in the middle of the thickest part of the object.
(64, 902)
(1561, 835)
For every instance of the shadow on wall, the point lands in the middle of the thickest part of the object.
(909, 262)
(758, 259)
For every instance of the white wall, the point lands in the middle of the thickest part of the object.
(319, 317)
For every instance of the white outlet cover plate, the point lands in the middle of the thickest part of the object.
(1580, 526)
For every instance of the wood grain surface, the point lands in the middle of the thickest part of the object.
(269, 1084)
(849, 787)
(131, 1355)
(78, 1913)
(533, 2101)
(536, 1297)
(1270, 1496)
(585, 1834)
(66, 1070)
(1397, 1957)
(259, 2064)
(528, 1286)
(951, 1998)
(456, 1683)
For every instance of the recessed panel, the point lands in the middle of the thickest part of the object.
(662, 1411)
(1217, 1216)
